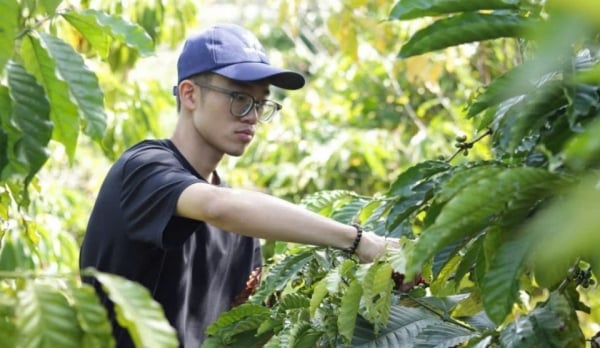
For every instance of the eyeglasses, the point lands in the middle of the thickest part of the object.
(240, 104)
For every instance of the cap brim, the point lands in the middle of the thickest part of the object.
(250, 71)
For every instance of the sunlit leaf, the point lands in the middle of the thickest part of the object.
(348, 212)
(516, 81)
(8, 327)
(138, 312)
(349, 309)
(377, 287)
(319, 293)
(92, 317)
(63, 112)
(566, 232)
(50, 5)
(82, 82)
(97, 26)
(14, 254)
(471, 208)
(45, 318)
(465, 28)
(409, 9)
(9, 16)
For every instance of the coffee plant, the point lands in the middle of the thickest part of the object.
(494, 253)
(49, 95)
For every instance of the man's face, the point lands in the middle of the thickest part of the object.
(214, 121)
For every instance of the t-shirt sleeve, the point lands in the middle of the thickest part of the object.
(152, 181)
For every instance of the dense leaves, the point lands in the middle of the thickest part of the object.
(488, 241)
(49, 92)
(472, 228)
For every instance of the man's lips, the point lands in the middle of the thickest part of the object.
(245, 134)
(246, 131)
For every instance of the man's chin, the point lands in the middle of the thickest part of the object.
(236, 153)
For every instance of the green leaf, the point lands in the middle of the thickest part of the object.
(469, 258)
(14, 254)
(8, 327)
(323, 201)
(501, 282)
(464, 28)
(515, 82)
(589, 76)
(377, 290)
(45, 318)
(30, 115)
(294, 301)
(281, 274)
(552, 325)
(444, 336)
(5, 113)
(303, 335)
(583, 150)
(404, 184)
(92, 317)
(63, 112)
(50, 6)
(243, 318)
(406, 205)
(9, 16)
(319, 293)
(138, 312)
(467, 176)
(471, 208)
(530, 115)
(410, 9)
(82, 82)
(347, 213)
(97, 26)
(583, 101)
(349, 310)
(403, 327)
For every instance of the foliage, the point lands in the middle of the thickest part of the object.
(496, 249)
(493, 240)
(49, 97)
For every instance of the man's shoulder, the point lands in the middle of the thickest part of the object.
(149, 145)
(149, 151)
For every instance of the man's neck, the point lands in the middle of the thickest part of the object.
(202, 157)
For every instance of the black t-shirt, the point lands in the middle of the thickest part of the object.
(194, 270)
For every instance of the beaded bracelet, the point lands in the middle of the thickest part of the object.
(359, 231)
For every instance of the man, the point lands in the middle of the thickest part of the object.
(164, 217)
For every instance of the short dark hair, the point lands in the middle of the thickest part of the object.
(205, 77)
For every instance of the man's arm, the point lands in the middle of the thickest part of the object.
(263, 216)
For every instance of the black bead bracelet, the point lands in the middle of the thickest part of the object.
(359, 231)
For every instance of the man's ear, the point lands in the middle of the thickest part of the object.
(187, 97)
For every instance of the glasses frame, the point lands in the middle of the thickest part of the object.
(275, 106)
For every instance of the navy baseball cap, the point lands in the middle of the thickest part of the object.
(234, 52)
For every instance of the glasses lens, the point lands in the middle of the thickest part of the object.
(265, 111)
(241, 104)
